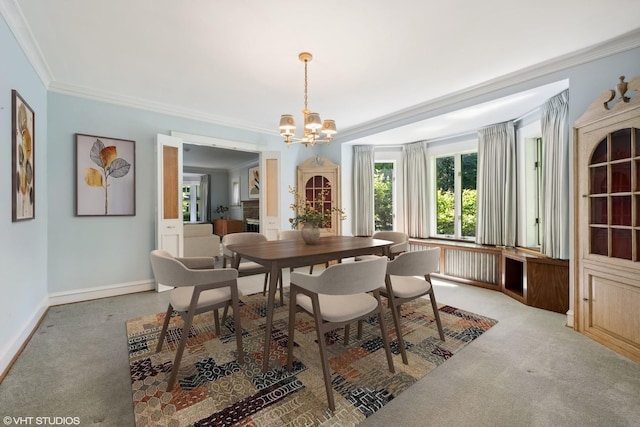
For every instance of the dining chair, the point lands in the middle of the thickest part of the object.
(402, 285)
(198, 288)
(288, 235)
(400, 243)
(245, 268)
(337, 296)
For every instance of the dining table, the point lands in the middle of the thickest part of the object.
(274, 255)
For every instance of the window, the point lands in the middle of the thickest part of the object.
(383, 196)
(530, 207)
(456, 195)
(235, 191)
(191, 210)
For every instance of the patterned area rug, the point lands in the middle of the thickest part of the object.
(215, 390)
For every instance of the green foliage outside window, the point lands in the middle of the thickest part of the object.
(445, 194)
(383, 196)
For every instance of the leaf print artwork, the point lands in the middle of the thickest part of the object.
(22, 166)
(111, 166)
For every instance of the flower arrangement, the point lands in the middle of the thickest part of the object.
(315, 212)
(221, 210)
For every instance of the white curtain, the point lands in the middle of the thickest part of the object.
(414, 157)
(363, 207)
(555, 176)
(204, 198)
(496, 202)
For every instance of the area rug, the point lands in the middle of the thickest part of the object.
(213, 389)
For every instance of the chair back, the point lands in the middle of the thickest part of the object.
(400, 239)
(416, 263)
(290, 235)
(240, 238)
(171, 272)
(168, 270)
(352, 278)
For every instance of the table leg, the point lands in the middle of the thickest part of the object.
(273, 287)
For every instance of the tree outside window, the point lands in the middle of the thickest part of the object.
(383, 196)
(456, 195)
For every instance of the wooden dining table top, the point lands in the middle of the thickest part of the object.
(286, 252)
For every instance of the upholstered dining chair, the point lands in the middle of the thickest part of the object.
(402, 285)
(245, 268)
(400, 241)
(198, 288)
(337, 296)
(288, 235)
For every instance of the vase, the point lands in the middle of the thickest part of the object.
(310, 234)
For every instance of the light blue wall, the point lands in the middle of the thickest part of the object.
(23, 245)
(104, 251)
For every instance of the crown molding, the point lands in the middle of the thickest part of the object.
(627, 41)
(143, 104)
(12, 13)
(16, 21)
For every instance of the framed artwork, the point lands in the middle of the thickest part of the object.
(254, 182)
(23, 201)
(105, 176)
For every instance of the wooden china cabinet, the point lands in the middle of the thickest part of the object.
(607, 224)
(319, 174)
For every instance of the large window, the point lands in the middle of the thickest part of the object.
(456, 195)
(191, 211)
(383, 180)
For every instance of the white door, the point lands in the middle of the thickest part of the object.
(270, 203)
(169, 197)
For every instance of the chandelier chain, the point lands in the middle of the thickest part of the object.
(305, 85)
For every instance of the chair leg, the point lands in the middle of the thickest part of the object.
(323, 353)
(225, 312)
(292, 320)
(165, 325)
(188, 321)
(216, 321)
(311, 269)
(360, 329)
(281, 280)
(436, 312)
(235, 302)
(383, 332)
(346, 334)
(395, 314)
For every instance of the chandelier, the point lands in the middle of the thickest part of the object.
(315, 130)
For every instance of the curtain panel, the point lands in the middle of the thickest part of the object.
(363, 195)
(205, 209)
(496, 199)
(555, 176)
(414, 157)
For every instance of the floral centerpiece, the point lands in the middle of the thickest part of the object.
(221, 210)
(312, 214)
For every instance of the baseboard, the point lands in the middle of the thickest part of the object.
(570, 319)
(78, 295)
(11, 352)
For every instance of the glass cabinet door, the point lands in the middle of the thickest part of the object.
(614, 195)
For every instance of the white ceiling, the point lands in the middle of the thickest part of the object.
(236, 62)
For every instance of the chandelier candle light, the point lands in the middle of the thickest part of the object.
(315, 130)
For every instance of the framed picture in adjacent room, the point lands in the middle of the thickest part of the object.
(105, 176)
(254, 182)
(23, 169)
